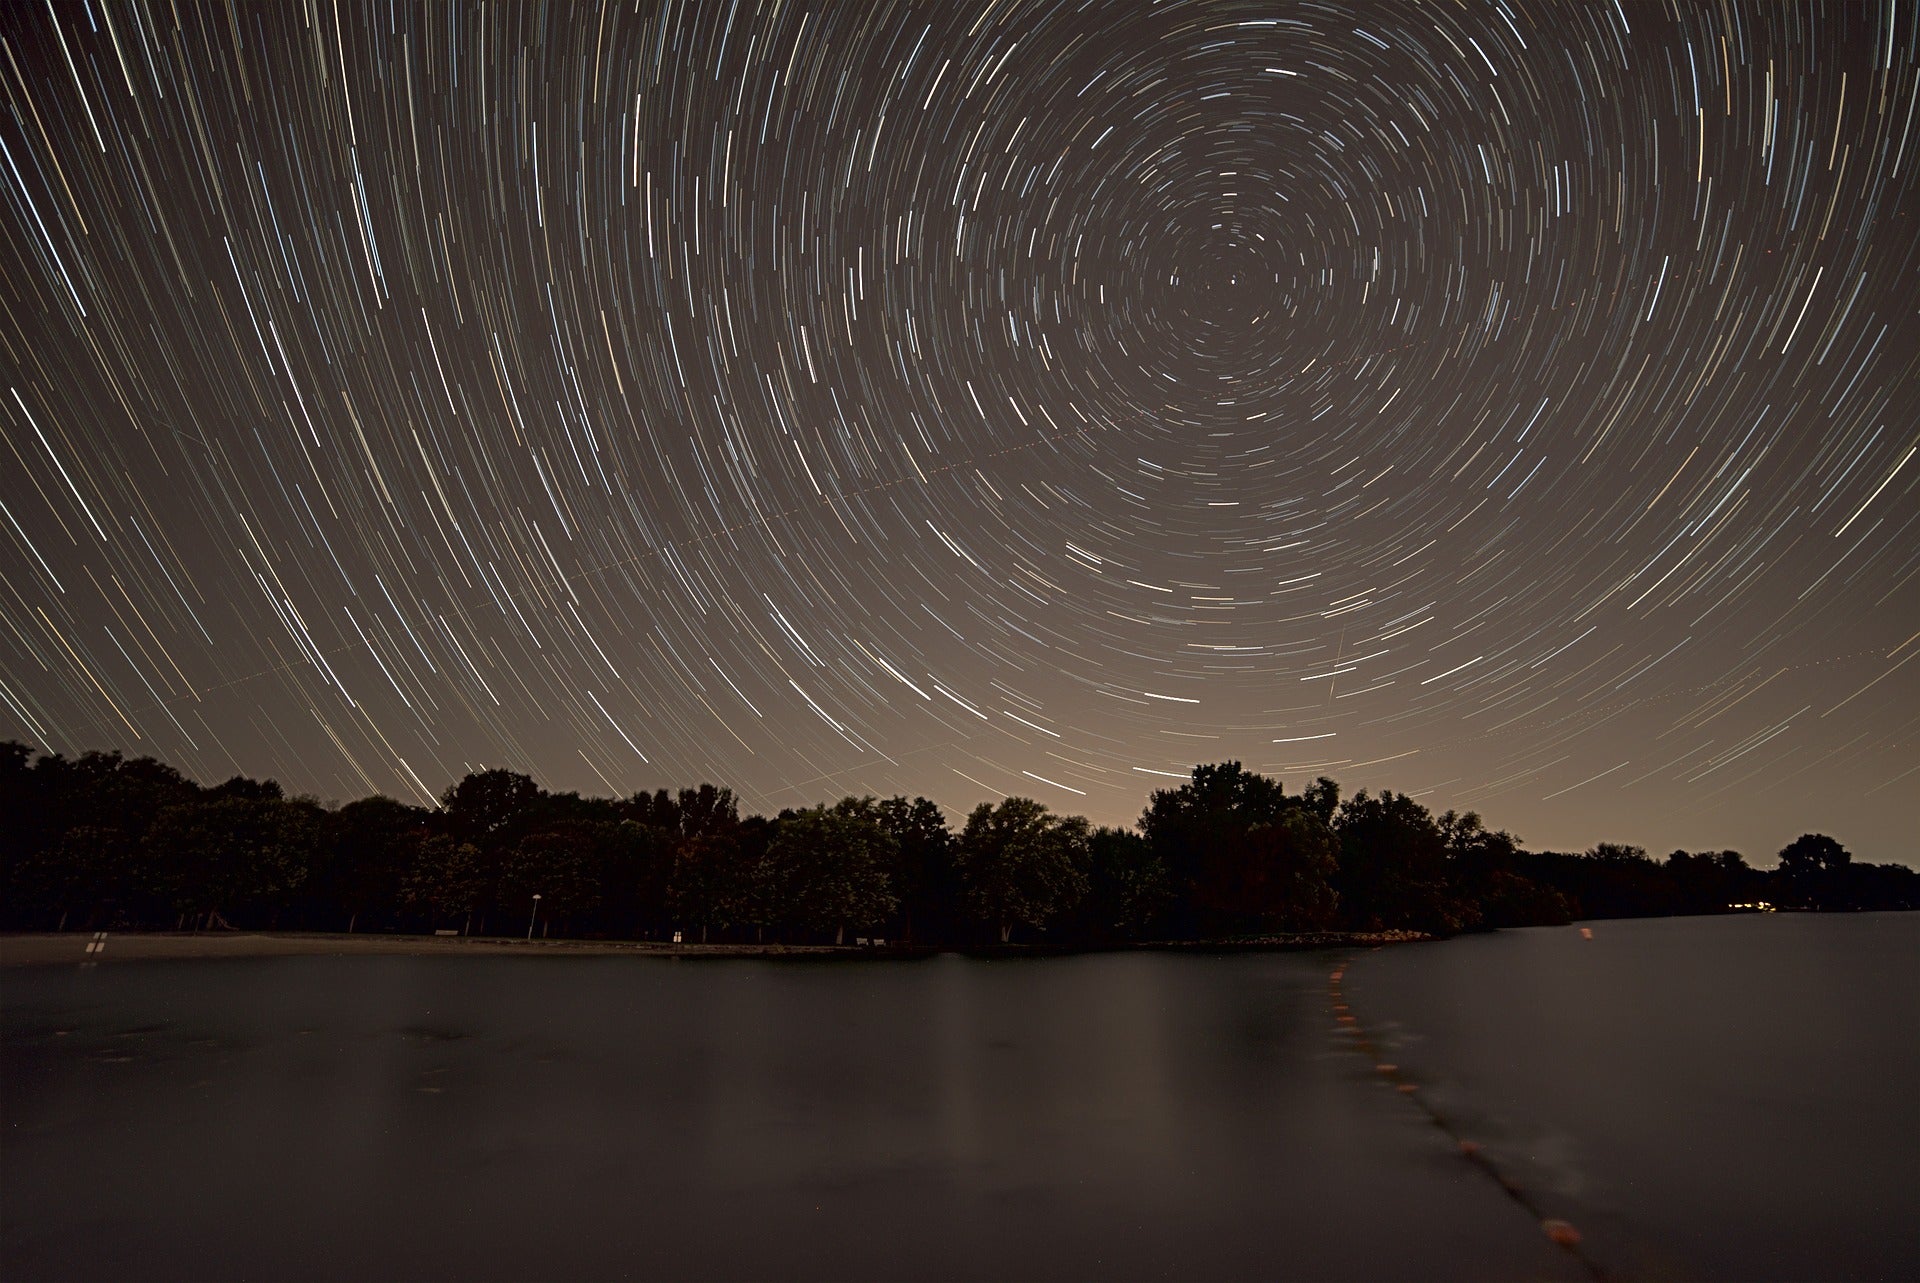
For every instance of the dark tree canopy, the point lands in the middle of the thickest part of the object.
(365, 850)
(1393, 864)
(831, 868)
(925, 880)
(488, 803)
(231, 851)
(1814, 867)
(447, 880)
(1021, 865)
(1239, 854)
(104, 840)
(1128, 892)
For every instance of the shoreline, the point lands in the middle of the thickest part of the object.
(51, 948)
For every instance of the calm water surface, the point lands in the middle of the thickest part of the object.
(1705, 1099)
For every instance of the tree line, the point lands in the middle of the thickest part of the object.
(101, 840)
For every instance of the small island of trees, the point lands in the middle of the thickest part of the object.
(104, 841)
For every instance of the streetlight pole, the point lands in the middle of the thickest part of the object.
(536, 914)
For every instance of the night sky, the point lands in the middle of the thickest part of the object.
(1513, 404)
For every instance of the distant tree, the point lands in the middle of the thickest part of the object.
(714, 883)
(560, 865)
(687, 813)
(74, 789)
(245, 789)
(1199, 832)
(655, 810)
(1322, 798)
(1021, 865)
(1882, 886)
(366, 849)
(23, 819)
(645, 866)
(446, 880)
(1710, 881)
(102, 838)
(1488, 890)
(232, 852)
(924, 879)
(830, 867)
(570, 809)
(1128, 891)
(1609, 880)
(707, 809)
(489, 808)
(1393, 866)
(132, 793)
(625, 857)
(1276, 876)
(88, 863)
(752, 837)
(1813, 869)
(691, 860)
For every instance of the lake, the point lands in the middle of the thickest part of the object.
(1702, 1098)
(1705, 1098)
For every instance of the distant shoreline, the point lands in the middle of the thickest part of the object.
(24, 949)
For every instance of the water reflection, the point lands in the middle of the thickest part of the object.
(1132, 1116)
(1706, 1098)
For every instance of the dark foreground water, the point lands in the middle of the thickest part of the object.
(1706, 1098)
(1716, 1099)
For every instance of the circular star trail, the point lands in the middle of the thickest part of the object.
(1509, 403)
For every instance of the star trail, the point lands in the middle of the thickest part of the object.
(1510, 403)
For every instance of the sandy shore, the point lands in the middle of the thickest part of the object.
(46, 948)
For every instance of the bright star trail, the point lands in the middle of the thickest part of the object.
(1514, 404)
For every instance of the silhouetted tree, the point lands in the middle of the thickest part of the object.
(560, 866)
(1710, 881)
(23, 817)
(1609, 880)
(924, 879)
(1128, 891)
(1322, 798)
(1021, 865)
(715, 882)
(1393, 865)
(489, 808)
(67, 880)
(1813, 869)
(127, 794)
(1275, 877)
(697, 865)
(830, 868)
(246, 789)
(1882, 886)
(446, 880)
(1200, 832)
(1488, 891)
(102, 839)
(707, 809)
(366, 849)
(97, 871)
(232, 852)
